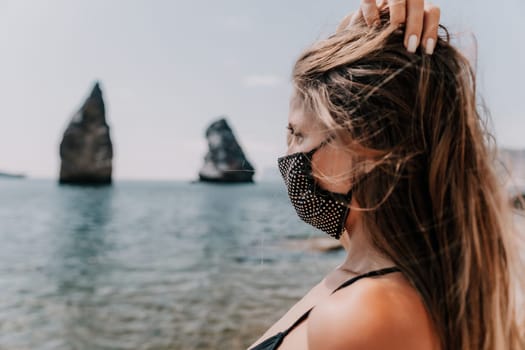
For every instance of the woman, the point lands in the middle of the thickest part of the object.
(388, 153)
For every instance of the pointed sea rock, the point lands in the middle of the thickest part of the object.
(225, 161)
(86, 150)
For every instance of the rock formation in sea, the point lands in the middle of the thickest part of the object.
(86, 150)
(225, 161)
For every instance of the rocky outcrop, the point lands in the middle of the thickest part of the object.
(86, 150)
(225, 161)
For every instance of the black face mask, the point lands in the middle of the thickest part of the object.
(324, 210)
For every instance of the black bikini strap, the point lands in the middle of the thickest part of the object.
(345, 284)
(368, 274)
(299, 320)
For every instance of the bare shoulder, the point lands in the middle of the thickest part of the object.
(373, 313)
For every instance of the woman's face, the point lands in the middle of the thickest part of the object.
(331, 164)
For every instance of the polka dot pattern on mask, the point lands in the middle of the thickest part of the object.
(324, 210)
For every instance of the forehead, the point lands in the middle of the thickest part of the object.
(300, 116)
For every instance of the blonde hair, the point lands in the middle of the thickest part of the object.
(430, 198)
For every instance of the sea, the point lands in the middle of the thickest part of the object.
(149, 265)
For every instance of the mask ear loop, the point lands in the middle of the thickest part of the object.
(309, 157)
(350, 196)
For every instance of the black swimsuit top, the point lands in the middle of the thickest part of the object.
(273, 343)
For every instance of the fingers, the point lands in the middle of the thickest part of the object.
(370, 12)
(414, 24)
(397, 11)
(421, 20)
(430, 25)
(381, 4)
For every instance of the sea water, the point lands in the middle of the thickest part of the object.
(149, 265)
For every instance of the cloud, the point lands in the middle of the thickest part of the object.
(262, 81)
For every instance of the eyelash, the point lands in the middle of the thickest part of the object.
(292, 132)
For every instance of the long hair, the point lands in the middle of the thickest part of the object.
(428, 194)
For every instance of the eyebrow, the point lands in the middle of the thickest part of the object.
(293, 126)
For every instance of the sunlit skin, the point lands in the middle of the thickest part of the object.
(385, 312)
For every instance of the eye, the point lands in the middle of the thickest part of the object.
(297, 135)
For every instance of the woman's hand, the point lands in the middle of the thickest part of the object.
(420, 17)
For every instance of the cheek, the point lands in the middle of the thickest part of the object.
(332, 169)
(304, 144)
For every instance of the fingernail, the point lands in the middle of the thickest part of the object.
(430, 46)
(412, 43)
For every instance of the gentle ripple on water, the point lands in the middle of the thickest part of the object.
(148, 265)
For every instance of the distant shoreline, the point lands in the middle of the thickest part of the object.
(12, 176)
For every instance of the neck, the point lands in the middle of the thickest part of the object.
(361, 256)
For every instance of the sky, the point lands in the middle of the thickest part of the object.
(168, 69)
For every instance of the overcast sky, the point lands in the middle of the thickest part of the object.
(169, 68)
